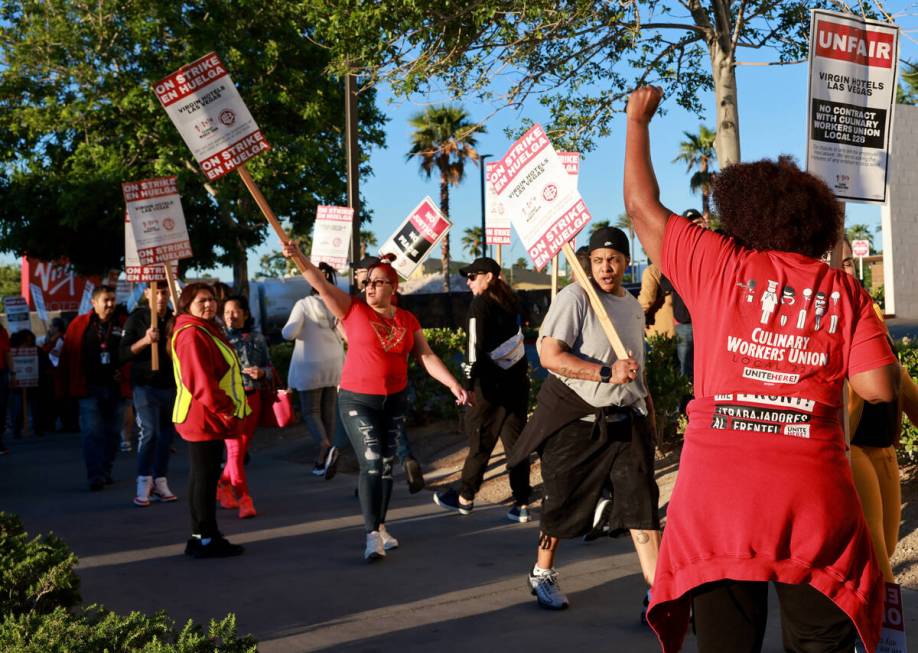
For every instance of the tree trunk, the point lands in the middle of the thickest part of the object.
(727, 141)
(444, 246)
(241, 270)
(705, 192)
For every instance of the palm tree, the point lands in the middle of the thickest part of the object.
(907, 89)
(860, 232)
(367, 240)
(521, 263)
(471, 241)
(443, 139)
(697, 151)
(597, 225)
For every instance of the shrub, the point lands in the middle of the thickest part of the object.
(430, 399)
(666, 385)
(280, 354)
(40, 600)
(908, 442)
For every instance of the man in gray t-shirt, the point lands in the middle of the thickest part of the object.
(591, 425)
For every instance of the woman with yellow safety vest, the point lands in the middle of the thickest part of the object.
(210, 406)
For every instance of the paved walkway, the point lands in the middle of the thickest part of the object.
(455, 584)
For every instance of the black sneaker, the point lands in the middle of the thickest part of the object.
(414, 474)
(450, 501)
(331, 463)
(601, 515)
(645, 606)
(192, 545)
(218, 547)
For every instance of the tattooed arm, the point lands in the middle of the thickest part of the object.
(556, 357)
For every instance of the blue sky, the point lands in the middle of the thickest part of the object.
(772, 104)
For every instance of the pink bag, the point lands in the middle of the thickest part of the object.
(276, 408)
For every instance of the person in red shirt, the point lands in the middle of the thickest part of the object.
(372, 396)
(765, 491)
(210, 406)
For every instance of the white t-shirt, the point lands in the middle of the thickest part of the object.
(572, 320)
(318, 353)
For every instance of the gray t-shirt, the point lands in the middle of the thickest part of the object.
(572, 320)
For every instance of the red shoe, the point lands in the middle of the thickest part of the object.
(225, 496)
(246, 507)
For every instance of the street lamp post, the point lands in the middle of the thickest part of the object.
(484, 239)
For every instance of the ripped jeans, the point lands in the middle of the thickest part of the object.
(374, 425)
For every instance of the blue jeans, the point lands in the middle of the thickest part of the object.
(340, 439)
(101, 415)
(155, 431)
(18, 419)
(685, 350)
(373, 424)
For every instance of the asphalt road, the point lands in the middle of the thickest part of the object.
(455, 584)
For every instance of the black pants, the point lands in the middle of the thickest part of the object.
(204, 458)
(485, 422)
(730, 617)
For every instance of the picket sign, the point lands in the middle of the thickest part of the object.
(571, 162)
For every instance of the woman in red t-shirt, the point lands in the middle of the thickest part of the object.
(371, 398)
(765, 492)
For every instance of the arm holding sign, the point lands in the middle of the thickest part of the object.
(337, 300)
(642, 194)
(556, 356)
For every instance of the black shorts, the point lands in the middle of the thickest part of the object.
(577, 464)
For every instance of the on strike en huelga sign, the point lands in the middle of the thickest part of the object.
(892, 634)
(331, 235)
(416, 237)
(539, 195)
(25, 367)
(17, 313)
(154, 212)
(571, 161)
(497, 222)
(209, 113)
(852, 89)
(133, 270)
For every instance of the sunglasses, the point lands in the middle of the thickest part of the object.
(377, 283)
(471, 276)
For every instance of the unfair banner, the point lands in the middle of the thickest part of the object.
(853, 66)
(331, 235)
(205, 107)
(133, 270)
(416, 237)
(497, 222)
(539, 195)
(25, 367)
(154, 213)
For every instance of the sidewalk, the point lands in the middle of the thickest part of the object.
(455, 584)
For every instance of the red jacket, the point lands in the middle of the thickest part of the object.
(210, 416)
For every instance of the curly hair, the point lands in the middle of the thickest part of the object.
(775, 205)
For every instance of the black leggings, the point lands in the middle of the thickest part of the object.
(204, 458)
(730, 617)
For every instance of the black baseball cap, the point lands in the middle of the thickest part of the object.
(367, 262)
(483, 264)
(610, 237)
(694, 215)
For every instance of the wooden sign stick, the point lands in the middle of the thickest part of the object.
(617, 345)
(170, 283)
(554, 276)
(268, 213)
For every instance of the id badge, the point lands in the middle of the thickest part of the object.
(105, 358)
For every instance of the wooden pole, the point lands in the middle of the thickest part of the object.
(352, 154)
(554, 277)
(268, 213)
(170, 283)
(498, 256)
(617, 345)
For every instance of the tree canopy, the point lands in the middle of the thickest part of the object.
(78, 117)
(578, 58)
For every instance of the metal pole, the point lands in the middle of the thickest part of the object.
(484, 238)
(352, 149)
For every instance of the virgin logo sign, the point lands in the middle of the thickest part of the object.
(846, 43)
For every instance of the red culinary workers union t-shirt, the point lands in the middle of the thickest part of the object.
(765, 490)
(376, 362)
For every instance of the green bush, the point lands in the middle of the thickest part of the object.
(908, 442)
(280, 354)
(431, 399)
(666, 385)
(39, 603)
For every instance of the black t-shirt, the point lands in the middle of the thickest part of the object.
(141, 363)
(680, 310)
(100, 351)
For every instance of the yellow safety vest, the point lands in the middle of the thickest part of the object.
(230, 383)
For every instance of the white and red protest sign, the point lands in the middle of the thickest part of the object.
(853, 66)
(497, 222)
(38, 299)
(154, 212)
(60, 286)
(17, 313)
(331, 235)
(25, 367)
(892, 634)
(209, 113)
(571, 161)
(133, 270)
(539, 195)
(416, 237)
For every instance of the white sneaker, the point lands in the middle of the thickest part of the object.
(161, 491)
(375, 549)
(144, 487)
(544, 585)
(388, 541)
